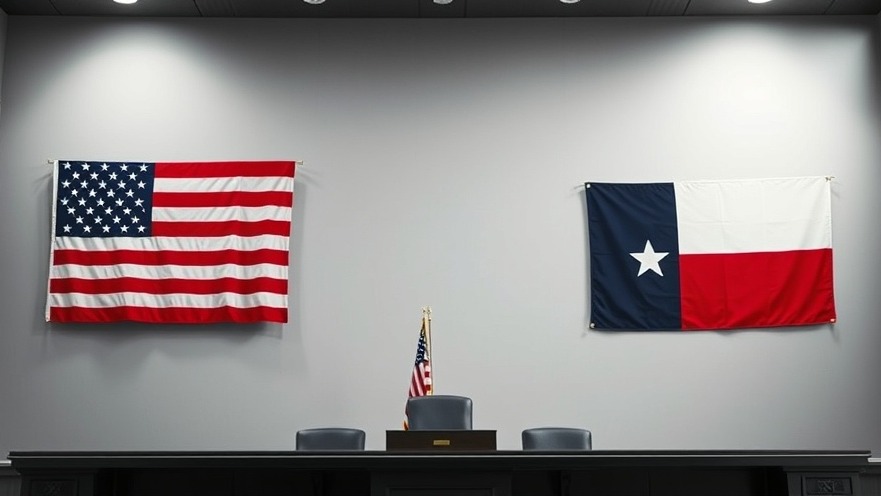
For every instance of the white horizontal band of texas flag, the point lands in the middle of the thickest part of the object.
(188, 242)
(710, 254)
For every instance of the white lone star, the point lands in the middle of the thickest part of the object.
(648, 259)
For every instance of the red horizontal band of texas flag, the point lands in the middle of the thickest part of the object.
(188, 242)
(711, 254)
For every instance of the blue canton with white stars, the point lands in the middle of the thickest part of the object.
(104, 199)
(420, 349)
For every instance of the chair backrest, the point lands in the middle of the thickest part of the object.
(439, 412)
(330, 439)
(556, 438)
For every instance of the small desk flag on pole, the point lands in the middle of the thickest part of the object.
(420, 379)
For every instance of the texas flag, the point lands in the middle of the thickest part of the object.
(710, 254)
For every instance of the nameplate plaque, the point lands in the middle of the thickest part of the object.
(442, 440)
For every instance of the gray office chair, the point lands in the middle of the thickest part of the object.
(439, 412)
(330, 439)
(556, 438)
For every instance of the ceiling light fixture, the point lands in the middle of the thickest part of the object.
(570, 1)
(126, 2)
(759, 1)
(442, 2)
(314, 2)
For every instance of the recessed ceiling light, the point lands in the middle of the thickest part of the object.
(126, 2)
(759, 1)
(442, 2)
(570, 1)
(314, 2)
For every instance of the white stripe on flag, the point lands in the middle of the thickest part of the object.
(176, 300)
(169, 271)
(220, 184)
(219, 214)
(751, 216)
(270, 242)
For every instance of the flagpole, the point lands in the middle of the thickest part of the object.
(426, 320)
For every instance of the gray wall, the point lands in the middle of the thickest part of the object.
(443, 160)
(3, 22)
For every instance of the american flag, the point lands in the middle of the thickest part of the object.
(420, 380)
(191, 242)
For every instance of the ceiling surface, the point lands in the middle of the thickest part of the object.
(427, 8)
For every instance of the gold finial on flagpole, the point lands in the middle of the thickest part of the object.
(426, 322)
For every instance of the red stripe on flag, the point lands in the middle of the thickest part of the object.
(756, 289)
(169, 286)
(168, 257)
(224, 228)
(224, 169)
(169, 315)
(420, 382)
(223, 199)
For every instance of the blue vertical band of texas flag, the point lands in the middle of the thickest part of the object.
(629, 215)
